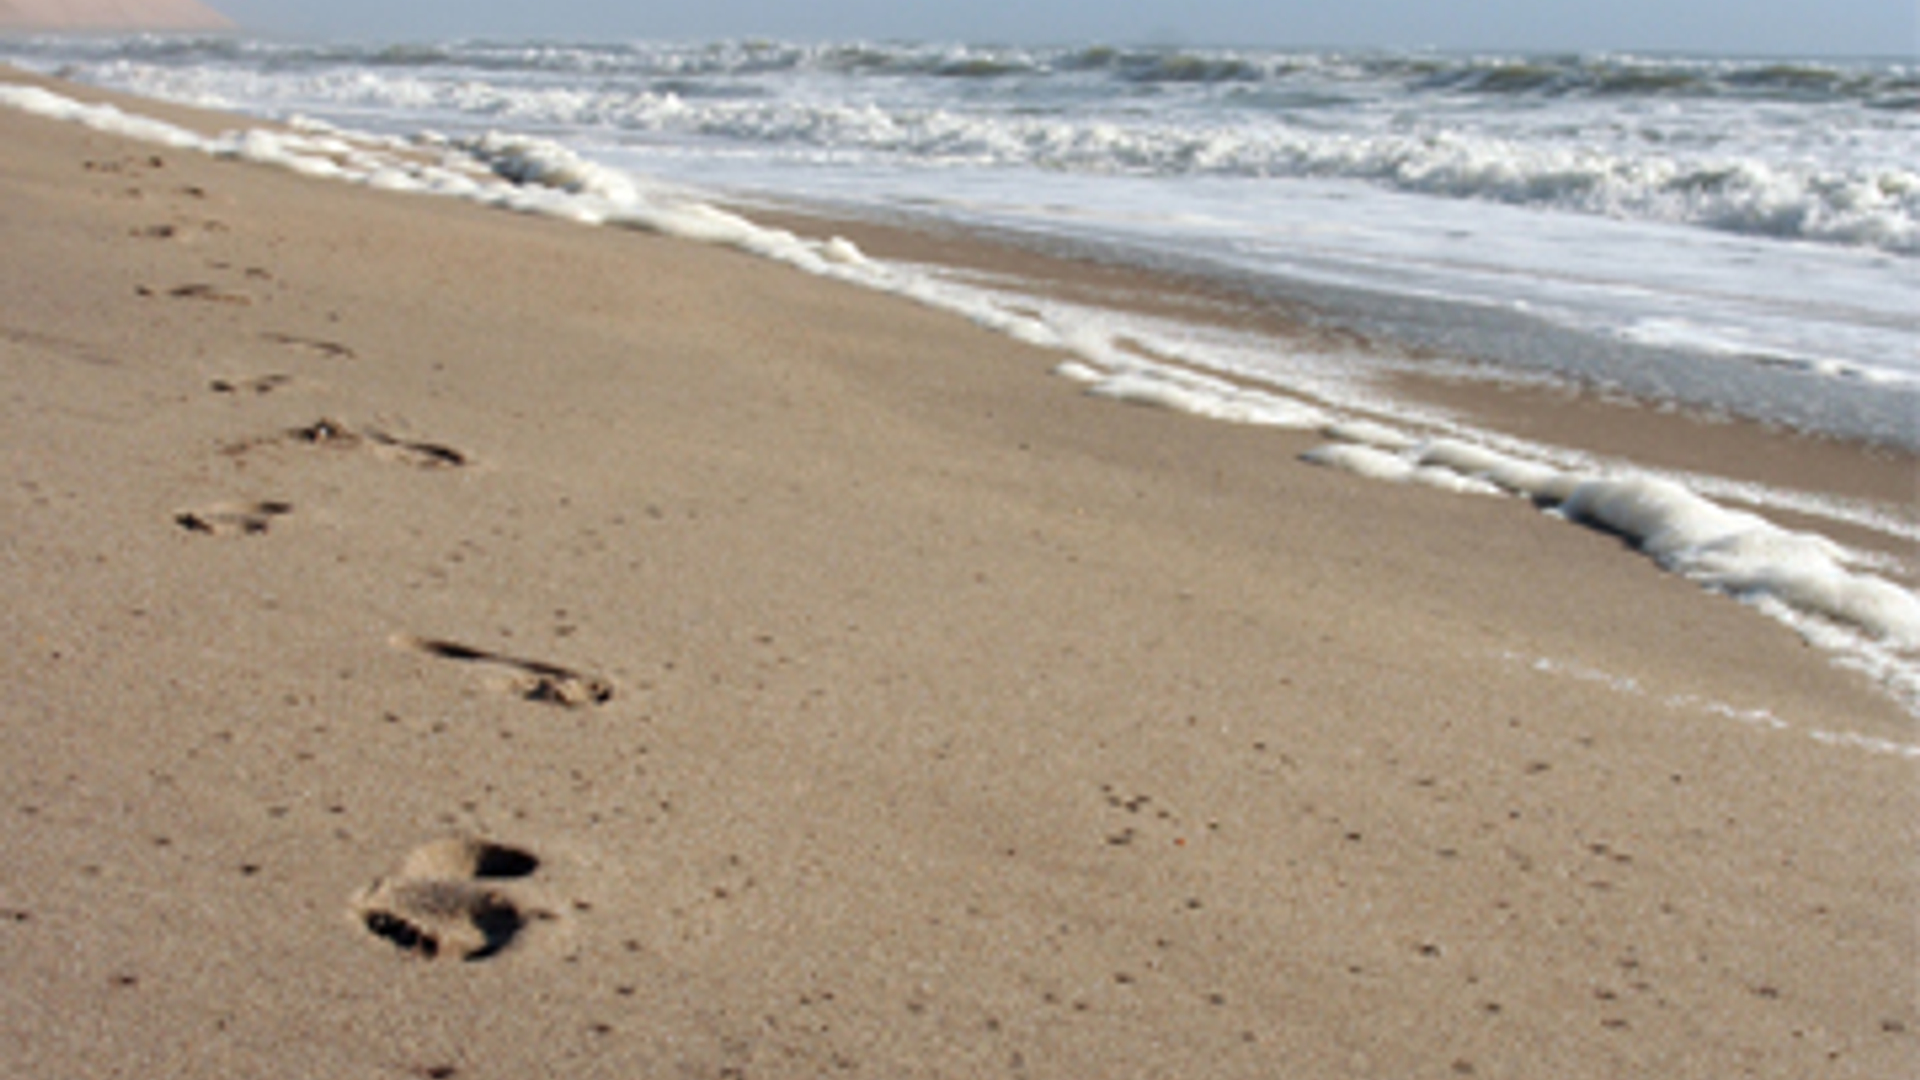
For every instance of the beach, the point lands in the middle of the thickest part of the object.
(447, 642)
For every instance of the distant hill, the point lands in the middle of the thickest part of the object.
(110, 15)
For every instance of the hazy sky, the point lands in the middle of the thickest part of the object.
(1846, 27)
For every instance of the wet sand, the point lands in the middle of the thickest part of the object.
(449, 643)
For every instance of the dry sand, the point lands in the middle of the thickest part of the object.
(96, 15)
(760, 678)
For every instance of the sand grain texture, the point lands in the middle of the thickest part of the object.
(956, 724)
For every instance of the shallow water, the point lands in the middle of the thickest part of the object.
(1738, 235)
(1776, 283)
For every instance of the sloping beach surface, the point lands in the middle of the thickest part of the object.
(95, 15)
(450, 643)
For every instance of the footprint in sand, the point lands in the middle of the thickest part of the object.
(137, 166)
(331, 350)
(233, 519)
(200, 290)
(188, 231)
(333, 433)
(531, 680)
(449, 898)
(264, 384)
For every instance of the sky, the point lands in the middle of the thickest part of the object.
(1748, 27)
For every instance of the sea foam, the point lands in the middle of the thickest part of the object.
(1654, 214)
(1802, 579)
(1745, 555)
(1654, 140)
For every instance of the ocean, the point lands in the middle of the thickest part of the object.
(1734, 236)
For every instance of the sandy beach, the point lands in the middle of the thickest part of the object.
(447, 643)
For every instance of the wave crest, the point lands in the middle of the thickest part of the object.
(1825, 158)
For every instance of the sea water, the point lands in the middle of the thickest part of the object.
(1734, 235)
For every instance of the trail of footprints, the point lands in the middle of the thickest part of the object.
(256, 518)
(531, 680)
(451, 898)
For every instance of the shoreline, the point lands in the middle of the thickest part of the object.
(952, 721)
(1661, 435)
(1614, 429)
(1665, 436)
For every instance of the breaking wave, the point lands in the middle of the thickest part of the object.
(1823, 152)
